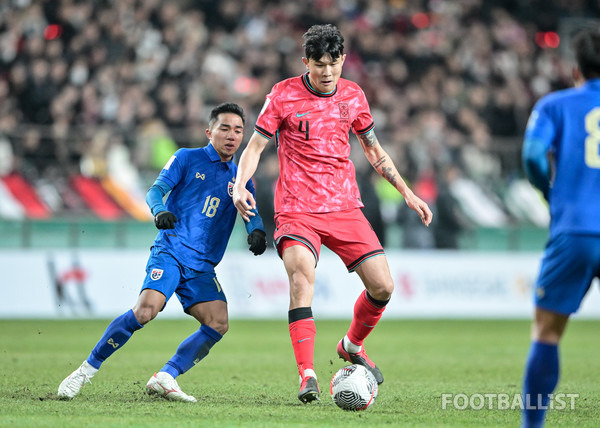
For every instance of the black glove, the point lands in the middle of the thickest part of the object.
(165, 220)
(257, 241)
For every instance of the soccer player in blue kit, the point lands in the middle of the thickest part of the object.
(565, 127)
(194, 224)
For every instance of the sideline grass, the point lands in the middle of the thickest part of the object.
(250, 379)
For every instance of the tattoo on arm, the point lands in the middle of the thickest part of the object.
(389, 175)
(379, 162)
(369, 139)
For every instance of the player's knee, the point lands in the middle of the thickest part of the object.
(221, 326)
(382, 291)
(145, 314)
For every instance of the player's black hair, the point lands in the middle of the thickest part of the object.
(323, 39)
(587, 52)
(225, 108)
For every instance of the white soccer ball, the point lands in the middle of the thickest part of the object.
(353, 388)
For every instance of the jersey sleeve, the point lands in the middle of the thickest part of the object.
(250, 187)
(270, 117)
(173, 170)
(363, 122)
(540, 125)
(539, 136)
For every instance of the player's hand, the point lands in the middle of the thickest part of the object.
(417, 204)
(165, 220)
(243, 201)
(257, 241)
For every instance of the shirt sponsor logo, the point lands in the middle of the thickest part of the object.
(200, 176)
(156, 274)
(230, 189)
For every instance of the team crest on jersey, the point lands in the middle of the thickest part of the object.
(156, 274)
(344, 110)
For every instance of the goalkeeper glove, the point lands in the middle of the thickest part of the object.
(165, 220)
(257, 241)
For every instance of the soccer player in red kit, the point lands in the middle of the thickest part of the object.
(317, 199)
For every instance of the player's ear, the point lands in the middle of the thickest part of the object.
(208, 133)
(305, 61)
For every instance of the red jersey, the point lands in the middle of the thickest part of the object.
(312, 137)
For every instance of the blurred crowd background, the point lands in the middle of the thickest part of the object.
(95, 96)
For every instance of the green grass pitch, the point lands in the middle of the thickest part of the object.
(250, 378)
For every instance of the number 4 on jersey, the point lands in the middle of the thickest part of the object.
(305, 130)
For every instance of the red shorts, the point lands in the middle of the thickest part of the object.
(347, 233)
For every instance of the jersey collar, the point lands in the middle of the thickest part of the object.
(308, 86)
(212, 153)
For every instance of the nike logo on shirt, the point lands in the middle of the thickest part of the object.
(302, 114)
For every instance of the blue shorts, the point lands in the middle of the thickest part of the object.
(569, 265)
(166, 275)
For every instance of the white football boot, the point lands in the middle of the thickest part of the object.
(162, 383)
(71, 386)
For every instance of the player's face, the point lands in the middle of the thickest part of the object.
(324, 73)
(226, 135)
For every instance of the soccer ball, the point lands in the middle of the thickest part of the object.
(353, 388)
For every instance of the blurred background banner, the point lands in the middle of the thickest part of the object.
(104, 284)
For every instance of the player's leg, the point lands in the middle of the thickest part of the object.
(115, 336)
(543, 365)
(162, 277)
(352, 238)
(214, 324)
(568, 267)
(368, 309)
(299, 264)
(122, 328)
(203, 298)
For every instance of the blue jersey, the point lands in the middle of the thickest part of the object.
(202, 186)
(567, 124)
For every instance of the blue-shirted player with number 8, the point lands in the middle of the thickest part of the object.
(561, 155)
(194, 224)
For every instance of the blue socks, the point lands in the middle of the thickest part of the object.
(117, 333)
(541, 377)
(192, 350)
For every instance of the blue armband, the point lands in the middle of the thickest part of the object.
(255, 222)
(155, 195)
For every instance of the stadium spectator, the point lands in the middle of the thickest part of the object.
(317, 201)
(195, 224)
(564, 125)
(476, 63)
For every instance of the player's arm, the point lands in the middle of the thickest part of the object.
(536, 164)
(163, 219)
(384, 165)
(242, 198)
(536, 149)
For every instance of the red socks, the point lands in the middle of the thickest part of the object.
(367, 312)
(302, 333)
